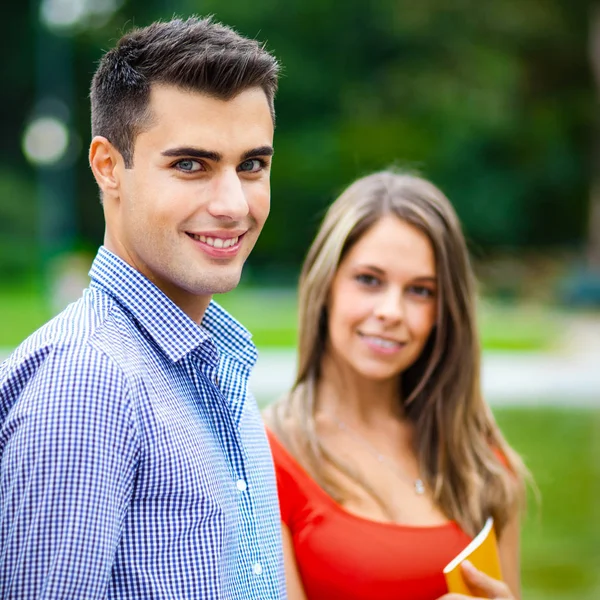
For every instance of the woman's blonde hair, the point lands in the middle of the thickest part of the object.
(458, 444)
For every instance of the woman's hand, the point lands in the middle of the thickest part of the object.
(481, 585)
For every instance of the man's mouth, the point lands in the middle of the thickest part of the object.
(216, 242)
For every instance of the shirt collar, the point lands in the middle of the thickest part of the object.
(230, 336)
(173, 331)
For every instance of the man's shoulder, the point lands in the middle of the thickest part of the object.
(91, 327)
(93, 349)
(60, 361)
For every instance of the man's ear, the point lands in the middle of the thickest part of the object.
(107, 166)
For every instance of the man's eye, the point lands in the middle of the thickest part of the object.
(252, 165)
(368, 280)
(188, 165)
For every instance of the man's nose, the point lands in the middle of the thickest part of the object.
(228, 197)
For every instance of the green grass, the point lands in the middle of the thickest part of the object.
(561, 536)
(514, 327)
(271, 317)
(23, 310)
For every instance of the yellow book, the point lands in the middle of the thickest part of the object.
(482, 552)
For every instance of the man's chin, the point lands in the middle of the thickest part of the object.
(218, 284)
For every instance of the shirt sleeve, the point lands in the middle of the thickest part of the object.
(68, 457)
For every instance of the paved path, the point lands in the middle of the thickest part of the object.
(570, 378)
(507, 378)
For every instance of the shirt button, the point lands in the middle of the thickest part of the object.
(241, 485)
(257, 568)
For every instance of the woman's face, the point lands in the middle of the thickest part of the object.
(382, 303)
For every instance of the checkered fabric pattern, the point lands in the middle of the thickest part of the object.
(133, 459)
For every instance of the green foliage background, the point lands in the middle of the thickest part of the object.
(492, 100)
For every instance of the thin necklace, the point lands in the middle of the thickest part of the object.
(381, 458)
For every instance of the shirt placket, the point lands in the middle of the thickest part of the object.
(230, 439)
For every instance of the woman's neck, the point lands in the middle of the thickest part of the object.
(344, 393)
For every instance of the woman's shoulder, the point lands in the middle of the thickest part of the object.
(277, 448)
(279, 432)
(283, 458)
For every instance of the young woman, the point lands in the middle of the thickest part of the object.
(388, 459)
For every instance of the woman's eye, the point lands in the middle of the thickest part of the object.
(422, 291)
(368, 280)
(188, 165)
(252, 165)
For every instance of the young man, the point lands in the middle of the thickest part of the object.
(133, 462)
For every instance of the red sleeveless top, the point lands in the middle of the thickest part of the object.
(343, 556)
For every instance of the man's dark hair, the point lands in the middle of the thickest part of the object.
(195, 54)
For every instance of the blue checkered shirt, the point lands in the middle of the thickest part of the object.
(133, 459)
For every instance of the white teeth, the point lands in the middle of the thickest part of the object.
(217, 242)
(381, 342)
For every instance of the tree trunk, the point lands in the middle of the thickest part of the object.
(594, 215)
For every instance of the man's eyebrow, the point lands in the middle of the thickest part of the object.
(192, 152)
(260, 151)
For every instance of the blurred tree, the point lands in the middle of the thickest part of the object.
(18, 227)
(493, 101)
(490, 100)
(17, 195)
(594, 220)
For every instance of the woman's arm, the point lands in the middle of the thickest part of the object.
(510, 556)
(295, 590)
